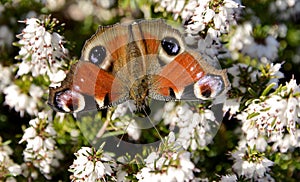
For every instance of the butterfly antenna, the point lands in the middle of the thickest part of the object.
(103, 128)
(161, 138)
(124, 133)
(131, 110)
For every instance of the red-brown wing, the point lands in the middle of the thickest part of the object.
(85, 87)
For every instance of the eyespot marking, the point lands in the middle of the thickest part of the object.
(170, 45)
(97, 54)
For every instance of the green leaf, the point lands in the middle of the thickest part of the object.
(252, 92)
(267, 90)
(252, 115)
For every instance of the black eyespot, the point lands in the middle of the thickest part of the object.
(172, 93)
(68, 101)
(206, 91)
(170, 45)
(97, 54)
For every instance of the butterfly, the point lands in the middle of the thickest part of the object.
(140, 61)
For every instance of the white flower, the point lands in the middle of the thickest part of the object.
(285, 143)
(273, 117)
(131, 126)
(236, 71)
(55, 5)
(174, 6)
(41, 148)
(231, 105)
(229, 178)
(80, 10)
(41, 51)
(168, 166)
(250, 166)
(285, 8)
(7, 165)
(195, 129)
(275, 74)
(221, 16)
(91, 165)
(122, 109)
(5, 77)
(22, 102)
(243, 41)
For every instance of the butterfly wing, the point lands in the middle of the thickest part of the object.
(91, 83)
(183, 74)
(189, 77)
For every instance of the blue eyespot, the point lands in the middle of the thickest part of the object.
(170, 45)
(97, 54)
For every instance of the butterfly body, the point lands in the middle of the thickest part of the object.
(139, 61)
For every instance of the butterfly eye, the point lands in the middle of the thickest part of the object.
(68, 101)
(208, 87)
(170, 45)
(97, 54)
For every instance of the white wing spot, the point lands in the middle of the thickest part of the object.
(199, 75)
(192, 68)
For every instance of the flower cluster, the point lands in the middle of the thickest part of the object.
(123, 121)
(26, 101)
(42, 51)
(168, 164)
(131, 127)
(41, 149)
(273, 114)
(243, 75)
(91, 165)
(8, 168)
(285, 9)
(260, 47)
(196, 129)
(213, 16)
(251, 165)
(209, 19)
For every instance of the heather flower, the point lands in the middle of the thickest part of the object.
(274, 114)
(231, 105)
(261, 47)
(285, 9)
(8, 168)
(130, 126)
(250, 164)
(168, 166)
(285, 143)
(229, 178)
(237, 71)
(195, 129)
(23, 102)
(201, 15)
(91, 165)
(41, 51)
(41, 148)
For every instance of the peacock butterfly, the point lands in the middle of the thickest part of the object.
(139, 61)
